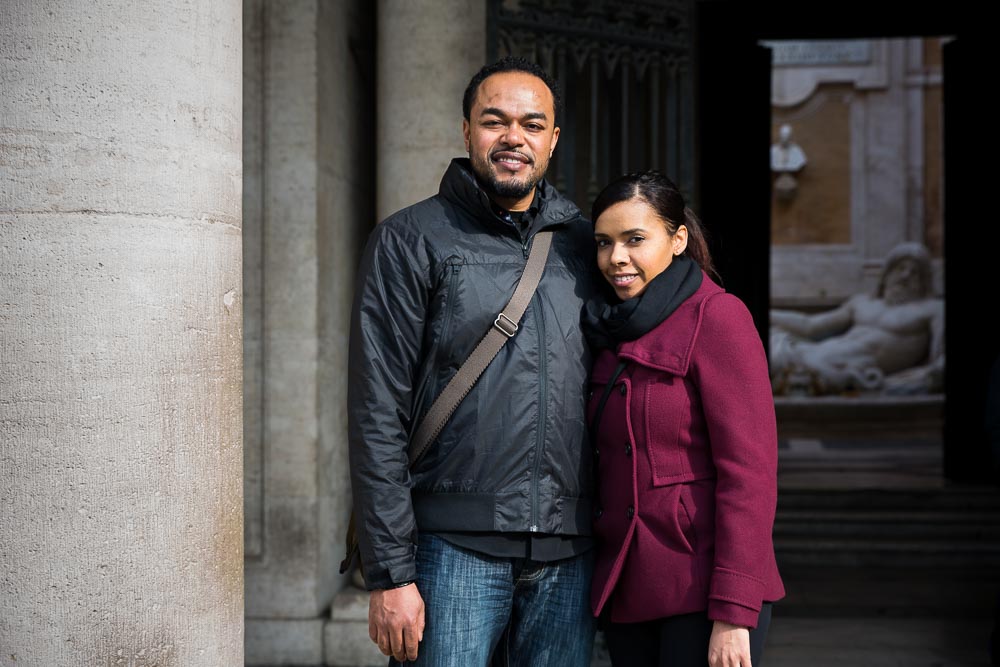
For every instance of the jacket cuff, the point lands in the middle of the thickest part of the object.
(730, 612)
(381, 576)
(736, 595)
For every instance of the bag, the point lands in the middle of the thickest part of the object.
(503, 329)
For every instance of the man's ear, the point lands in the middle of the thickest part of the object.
(466, 131)
(555, 140)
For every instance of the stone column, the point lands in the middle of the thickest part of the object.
(427, 52)
(121, 311)
(309, 83)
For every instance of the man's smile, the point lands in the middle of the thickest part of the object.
(510, 160)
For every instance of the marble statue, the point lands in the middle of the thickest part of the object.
(787, 159)
(889, 343)
(786, 155)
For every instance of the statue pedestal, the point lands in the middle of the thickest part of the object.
(840, 416)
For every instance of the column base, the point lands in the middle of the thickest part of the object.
(346, 633)
(285, 642)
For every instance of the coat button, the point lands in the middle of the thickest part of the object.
(630, 512)
(598, 512)
(623, 389)
(597, 452)
(628, 449)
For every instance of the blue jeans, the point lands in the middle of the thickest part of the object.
(482, 611)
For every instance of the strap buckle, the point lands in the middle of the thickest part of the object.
(505, 325)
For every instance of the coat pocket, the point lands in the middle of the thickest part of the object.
(665, 513)
(667, 410)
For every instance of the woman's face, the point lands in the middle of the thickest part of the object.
(634, 246)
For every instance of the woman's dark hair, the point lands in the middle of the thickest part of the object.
(664, 197)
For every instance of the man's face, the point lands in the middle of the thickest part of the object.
(510, 136)
(903, 282)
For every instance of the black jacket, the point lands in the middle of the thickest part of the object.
(512, 458)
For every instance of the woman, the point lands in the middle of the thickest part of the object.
(684, 435)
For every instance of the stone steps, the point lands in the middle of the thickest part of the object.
(902, 528)
(838, 591)
(918, 550)
(906, 524)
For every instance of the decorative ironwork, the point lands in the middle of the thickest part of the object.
(625, 71)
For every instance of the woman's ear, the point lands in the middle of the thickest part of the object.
(680, 240)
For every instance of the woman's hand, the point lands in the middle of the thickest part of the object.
(729, 645)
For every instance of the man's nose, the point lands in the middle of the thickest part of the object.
(513, 136)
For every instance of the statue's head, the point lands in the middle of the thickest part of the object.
(906, 275)
(785, 134)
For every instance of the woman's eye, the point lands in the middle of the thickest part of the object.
(636, 239)
(602, 243)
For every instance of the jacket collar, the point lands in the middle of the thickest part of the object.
(669, 345)
(460, 187)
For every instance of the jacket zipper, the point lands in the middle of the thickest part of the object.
(542, 416)
(542, 386)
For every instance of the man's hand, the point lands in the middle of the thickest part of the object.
(396, 621)
(729, 645)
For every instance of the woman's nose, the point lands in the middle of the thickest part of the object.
(619, 255)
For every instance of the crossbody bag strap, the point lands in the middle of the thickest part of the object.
(502, 330)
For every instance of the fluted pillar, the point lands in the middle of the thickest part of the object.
(427, 52)
(121, 315)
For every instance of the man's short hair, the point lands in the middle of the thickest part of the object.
(510, 64)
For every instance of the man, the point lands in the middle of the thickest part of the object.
(486, 538)
(892, 342)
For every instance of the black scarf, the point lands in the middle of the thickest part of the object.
(606, 324)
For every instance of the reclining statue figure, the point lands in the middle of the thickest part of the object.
(891, 343)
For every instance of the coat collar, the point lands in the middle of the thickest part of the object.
(459, 186)
(668, 347)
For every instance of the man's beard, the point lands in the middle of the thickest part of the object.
(510, 189)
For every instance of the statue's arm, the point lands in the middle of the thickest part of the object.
(815, 326)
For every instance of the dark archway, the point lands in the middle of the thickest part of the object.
(733, 72)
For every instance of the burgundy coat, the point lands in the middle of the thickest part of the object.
(687, 469)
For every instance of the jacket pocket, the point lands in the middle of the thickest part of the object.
(667, 410)
(666, 515)
(685, 518)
